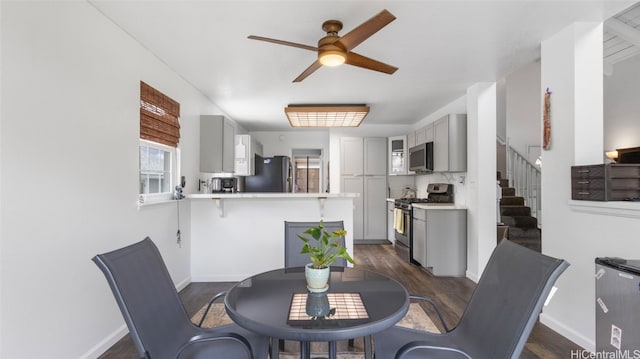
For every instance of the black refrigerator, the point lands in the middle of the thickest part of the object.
(272, 174)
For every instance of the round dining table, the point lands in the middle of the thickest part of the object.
(277, 304)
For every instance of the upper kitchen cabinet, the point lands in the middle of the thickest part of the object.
(217, 143)
(450, 143)
(397, 160)
(424, 134)
(363, 156)
(375, 156)
(351, 156)
(246, 149)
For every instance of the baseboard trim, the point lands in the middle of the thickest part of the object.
(567, 332)
(119, 333)
(472, 276)
(106, 343)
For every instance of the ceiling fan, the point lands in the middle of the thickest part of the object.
(334, 50)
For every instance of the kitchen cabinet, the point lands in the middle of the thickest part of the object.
(375, 204)
(411, 140)
(375, 156)
(246, 149)
(424, 134)
(440, 240)
(363, 164)
(351, 156)
(450, 143)
(217, 144)
(391, 233)
(419, 228)
(398, 155)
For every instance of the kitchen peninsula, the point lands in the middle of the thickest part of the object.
(236, 235)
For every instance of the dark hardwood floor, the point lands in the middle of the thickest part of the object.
(450, 293)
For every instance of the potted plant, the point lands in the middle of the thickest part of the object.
(323, 249)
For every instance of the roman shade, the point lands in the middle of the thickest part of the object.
(158, 117)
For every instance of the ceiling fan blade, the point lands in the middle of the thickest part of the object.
(282, 42)
(368, 63)
(311, 69)
(356, 36)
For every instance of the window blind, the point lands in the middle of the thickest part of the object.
(158, 117)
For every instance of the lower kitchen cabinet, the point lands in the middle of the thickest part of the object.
(440, 240)
(391, 232)
(370, 209)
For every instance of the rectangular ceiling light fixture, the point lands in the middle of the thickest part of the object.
(314, 116)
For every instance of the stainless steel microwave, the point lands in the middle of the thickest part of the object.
(421, 158)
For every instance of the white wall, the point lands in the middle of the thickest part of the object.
(68, 174)
(572, 69)
(524, 124)
(621, 105)
(481, 177)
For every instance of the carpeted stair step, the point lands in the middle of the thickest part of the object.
(520, 221)
(508, 191)
(504, 183)
(527, 237)
(512, 201)
(515, 211)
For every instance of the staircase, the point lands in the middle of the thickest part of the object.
(523, 228)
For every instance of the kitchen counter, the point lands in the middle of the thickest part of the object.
(236, 235)
(438, 206)
(270, 195)
(432, 205)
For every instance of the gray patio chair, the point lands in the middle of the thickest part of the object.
(499, 316)
(157, 321)
(293, 258)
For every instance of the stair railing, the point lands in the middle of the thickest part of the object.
(526, 178)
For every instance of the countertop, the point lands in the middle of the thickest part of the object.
(433, 205)
(270, 195)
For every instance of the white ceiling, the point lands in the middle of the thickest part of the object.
(440, 48)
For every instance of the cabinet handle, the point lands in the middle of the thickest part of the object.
(583, 171)
(584, 193)
(583, 182)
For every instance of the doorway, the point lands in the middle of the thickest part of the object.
(307, 170)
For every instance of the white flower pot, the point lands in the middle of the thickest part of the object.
(317, 279)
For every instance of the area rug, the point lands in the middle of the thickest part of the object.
(416, 318)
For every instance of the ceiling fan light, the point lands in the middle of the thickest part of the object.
(332, 58)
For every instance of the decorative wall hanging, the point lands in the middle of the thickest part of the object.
(546, 138)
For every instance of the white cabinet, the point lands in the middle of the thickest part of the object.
(424, 134)
(450, 144)
(419, 236)
(351, 156)
(363, 165)
(411, 139)
(375, 204)
(440, 240)
(391, 234)
(217, 143)
(246, 149)
(397, 159)
(375, 156)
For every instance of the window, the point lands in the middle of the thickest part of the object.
(159, 137)
(156, 162)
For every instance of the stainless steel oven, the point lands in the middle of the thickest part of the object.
(403, 231)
